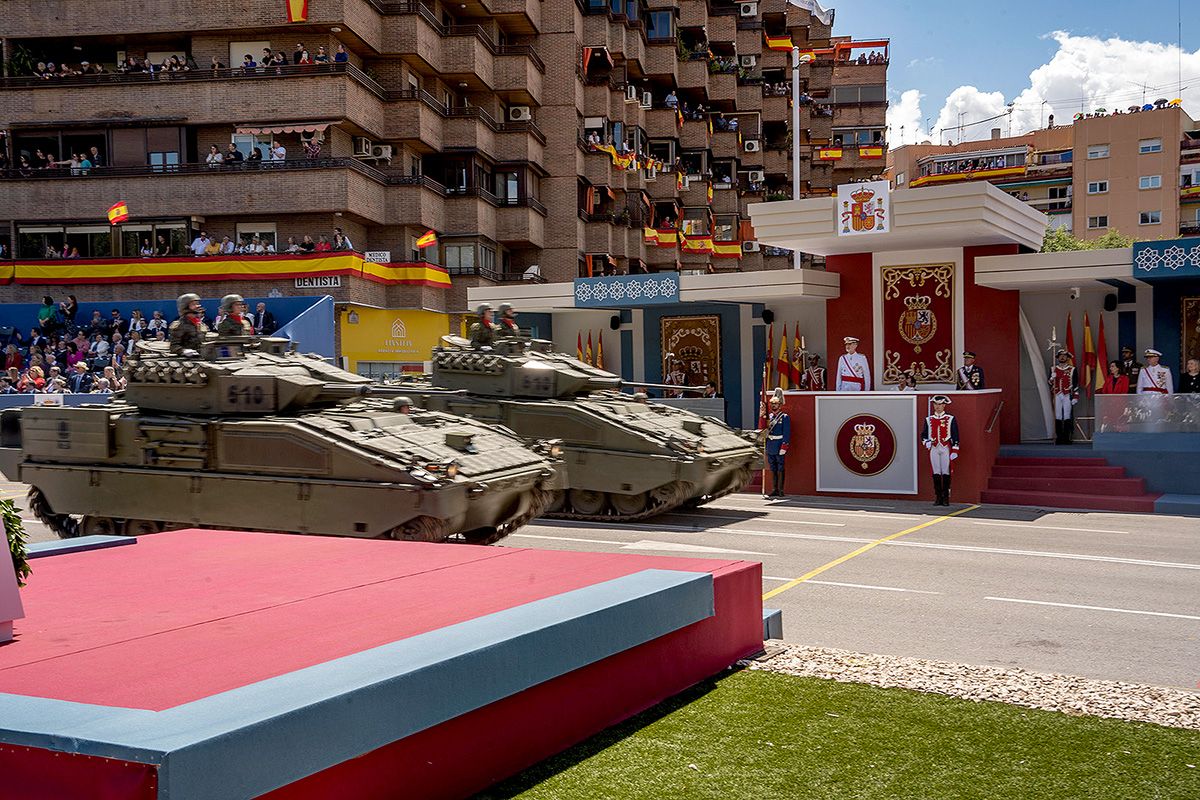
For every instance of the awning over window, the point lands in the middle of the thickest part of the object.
(284, 127)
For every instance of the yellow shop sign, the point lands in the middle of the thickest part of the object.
(381, 334)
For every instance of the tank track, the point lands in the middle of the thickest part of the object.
(744, 474)
(64, 526)
(680, 491)
(537, 507)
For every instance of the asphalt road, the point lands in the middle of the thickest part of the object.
(1111, 596)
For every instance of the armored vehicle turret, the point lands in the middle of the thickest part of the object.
(626, 459)
(247, 434)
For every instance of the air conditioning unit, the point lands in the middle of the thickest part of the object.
(519, 114)
(362, 146)
(748, 10)
(749, 247)
(631, 94)
(748, 61)
(647, 100)
(756, 175)
(752, 145)
(383, 151)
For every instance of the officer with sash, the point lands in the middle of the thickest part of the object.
(939, 434)
(970, 376)
(779, 435)
(1064, 390)
(1154, 377)
(853, 371)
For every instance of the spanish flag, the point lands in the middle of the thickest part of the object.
(297, 10)
(579, 346)
(428, 240)
(710, 193)
(678, 118)
(778, 42)
(727, 249)
(587, 354)
(783, 364)
(118, 213)
(599, 350)
(650, 236)
(829, 153)
(806, 56)
(679, 181)
(870, 151)
(666, 237)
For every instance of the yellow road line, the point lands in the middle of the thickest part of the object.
(843, 559)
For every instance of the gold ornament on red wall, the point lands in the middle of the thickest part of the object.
(918, 313)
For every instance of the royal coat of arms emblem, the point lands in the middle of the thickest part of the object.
(918, 323)
(864, 444)
(862, 212)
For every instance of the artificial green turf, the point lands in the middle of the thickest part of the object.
(766, 735)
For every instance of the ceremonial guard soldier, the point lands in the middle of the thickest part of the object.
(186, 334)
(970, 376)
(507, 324)
(1154, 378)
(779, 435)
(1064, 388)
(853, 371)
(813, 379)
(483, 333)
(940, 437)
(1130, 367)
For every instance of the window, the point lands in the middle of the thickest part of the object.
(1098, 222)
(487, 259)
(858, 94)
(460, 259)
(164, 161)
(900, 178)
(1097, 187)
(1150, 182)
(1098, 151)
(1150, 218)
(248, 142)
(660, 24)
(265, 231)
(1150, 146)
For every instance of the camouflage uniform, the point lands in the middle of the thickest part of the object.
(186, 333)
(235, 326)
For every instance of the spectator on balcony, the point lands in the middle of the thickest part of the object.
(593, 139)
(233, 156)
(322, 57)
(298, 52)
(39, 71)
(671, 101)
(93, 155)
(249, 65)
(340, 56)
(305, 58)
(267, 58)
(214, 158)
(162, 247)
(308, 245)
(340, 232)
(146, 250)
(227, 246)
(255, 156)
(200, 244)
(340, 243)
(312, 148)
(215, 64)
(323, 245)
(73, 253)
(213, 248)
(278, 152)
(292, 247)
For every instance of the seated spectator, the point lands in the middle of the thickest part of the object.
(341, 56)
(32, 381)
(308, 245)
(214, 158)
(75, 355)
(146, 250)
(118, 358)
(80, 381)
(157, 323)
(160, 336)
(13, 358)
(101, 387)
(137, 322)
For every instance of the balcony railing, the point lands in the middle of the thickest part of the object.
(67, 173)
(468, 112)
(479, 32)
(196, 75)
(1189, 227)
(495, 275)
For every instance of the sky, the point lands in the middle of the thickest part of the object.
(956, 65)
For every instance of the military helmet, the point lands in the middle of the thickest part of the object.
(483, 309)
(505, 308)
(186, 300)
(402, 400)
(228, 301)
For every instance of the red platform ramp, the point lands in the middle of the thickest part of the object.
(217, 664)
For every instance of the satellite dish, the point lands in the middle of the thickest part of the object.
(532, 273)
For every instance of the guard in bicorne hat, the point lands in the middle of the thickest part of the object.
(1064, 390)
(1155, 378)
(779, 435)
(970, 374)
(939, 434)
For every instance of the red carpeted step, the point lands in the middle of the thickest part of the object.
(1125, 487)
(1050, 461)
(1082, 473)
(1096, 502)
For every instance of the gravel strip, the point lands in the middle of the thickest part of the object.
(1069, 694)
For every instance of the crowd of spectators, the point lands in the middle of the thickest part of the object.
(874, 57)
(62, 355)
(964, 165)
(204, 245)
(179, 64)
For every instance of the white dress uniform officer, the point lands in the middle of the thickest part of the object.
(1154, 377)
(853, 371)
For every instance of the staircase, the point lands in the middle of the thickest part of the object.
(1066, 482)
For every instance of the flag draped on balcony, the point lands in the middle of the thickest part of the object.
(727, 249)
(118, 212)
(778, 42)
(650, 236)
(696, 243)
(429, 239)
(870, 151)
(829, 153)
(297, 10)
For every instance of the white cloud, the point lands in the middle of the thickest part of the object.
(1085, 73)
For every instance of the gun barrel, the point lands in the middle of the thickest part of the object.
(345, 391)
(665, 386)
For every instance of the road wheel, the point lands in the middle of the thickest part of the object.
(630, 504)
(421, 529)
(558, 499)
(99, 526)
(586, 501)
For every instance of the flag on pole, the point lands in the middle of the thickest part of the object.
(1089, 357)
(762, 397)
(428, 240)
(579, 346)
(1071, 342)
(600, 350)
(1101, 357)
(770, 355)
(587, 354)
(782, 366)
(118, 212)
(797, 359)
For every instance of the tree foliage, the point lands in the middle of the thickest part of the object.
(1058, 240)
(15, 533)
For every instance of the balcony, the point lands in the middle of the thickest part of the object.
(1189, 150)
(424, 117)
(722, 86)
(693, 74)
(661, 60)
(203, 97)
(868, 114)
(694, 135)
(1189, 227)
(521, 222)
(662, 123)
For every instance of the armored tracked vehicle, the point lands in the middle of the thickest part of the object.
(626, 459)
(247, 434)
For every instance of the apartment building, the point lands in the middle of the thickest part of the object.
(540, 139)
(1136, 172)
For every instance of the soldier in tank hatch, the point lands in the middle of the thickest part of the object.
(233, 317)
(507, 324)
(483, 333)
(186, 334)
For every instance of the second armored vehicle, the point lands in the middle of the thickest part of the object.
(247, 434)
(625, 459)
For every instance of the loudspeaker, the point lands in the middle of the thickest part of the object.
(768, 316)
(614, 322)
(1110, 302)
